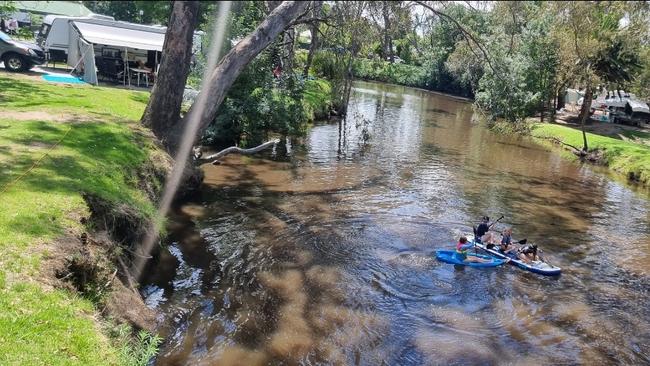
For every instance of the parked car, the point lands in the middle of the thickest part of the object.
(19, 56)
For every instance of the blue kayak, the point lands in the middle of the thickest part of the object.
(449, 256)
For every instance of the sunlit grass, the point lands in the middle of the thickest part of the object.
(629, 158)
(98, 153)
(20, 93)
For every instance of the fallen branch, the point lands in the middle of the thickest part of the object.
(238, 150)
(576, 150)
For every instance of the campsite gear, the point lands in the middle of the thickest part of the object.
(449, 256)
(539, 267)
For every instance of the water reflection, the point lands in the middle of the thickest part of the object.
(326, 256)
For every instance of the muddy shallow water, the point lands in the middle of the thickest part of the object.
(321, 252)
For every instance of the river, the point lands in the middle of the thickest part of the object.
(322, 252)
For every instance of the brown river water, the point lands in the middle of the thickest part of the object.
(323, 252)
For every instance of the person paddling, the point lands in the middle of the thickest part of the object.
(462, 247)
(506, 240)
(482, 229)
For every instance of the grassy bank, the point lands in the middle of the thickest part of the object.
(629, 158)
(58, 144)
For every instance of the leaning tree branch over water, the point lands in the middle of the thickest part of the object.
(239, 150)
(226, 72)
(168, 127)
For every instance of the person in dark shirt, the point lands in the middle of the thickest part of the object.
(482, 229)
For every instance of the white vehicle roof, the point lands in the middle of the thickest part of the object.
(638, 106)
(48, 19)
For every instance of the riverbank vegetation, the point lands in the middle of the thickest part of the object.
(515, 58)
(64, 147)
(628, 153)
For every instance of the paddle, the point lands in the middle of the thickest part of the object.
(497, 220)
(544, 258)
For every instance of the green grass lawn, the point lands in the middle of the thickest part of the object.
(626, 157)
(98, 151)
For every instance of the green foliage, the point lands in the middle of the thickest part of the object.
(153, 12)
(135, 351)
(258, 105)
(7, 8)
(641, 84)
(504, 93)
(328, 64)
(523, 73)
(317, 99)
(385, 71)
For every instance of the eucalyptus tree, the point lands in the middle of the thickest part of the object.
(602, 40)
(169, 127)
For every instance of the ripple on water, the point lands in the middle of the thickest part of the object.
(327, 258)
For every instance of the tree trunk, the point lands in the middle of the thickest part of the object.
(348, 86)
(313, 46)
(312, 49)
(232, 65)
(164, 107)
(560, 98)
(584, 114)
(289, 48)
(388, 42)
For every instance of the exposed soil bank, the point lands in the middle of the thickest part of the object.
(79, 183)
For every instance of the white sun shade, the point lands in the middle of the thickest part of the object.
(121, 37)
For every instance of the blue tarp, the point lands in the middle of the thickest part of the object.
(63, 79)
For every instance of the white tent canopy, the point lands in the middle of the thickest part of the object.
(120, 37)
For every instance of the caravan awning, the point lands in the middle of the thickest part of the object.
(120, 37)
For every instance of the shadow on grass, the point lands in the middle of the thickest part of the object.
(98, 158)
(613, 130)
(140, 97)
(13, 86)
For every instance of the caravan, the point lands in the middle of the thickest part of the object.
(54, 35)
(105, 47)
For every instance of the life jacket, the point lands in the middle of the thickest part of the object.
(528, 249)
(459, 250)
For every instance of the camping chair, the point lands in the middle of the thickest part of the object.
(113, 72)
